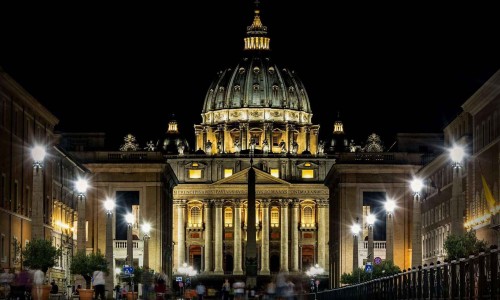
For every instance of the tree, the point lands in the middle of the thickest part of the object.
(85, 264)
(40, 254)
(461, 246)
(385, 268)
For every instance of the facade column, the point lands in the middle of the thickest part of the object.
(243, 136)
(295, 235)
(284, 235)
(416, 238)
(207, 253)
(308, 138)
(322, 232)
(264, 268)
(181, 232)
(218, 255)
(238, 270)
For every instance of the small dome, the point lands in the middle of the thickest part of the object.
(174, 142)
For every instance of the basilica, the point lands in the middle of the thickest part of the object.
(258, 194)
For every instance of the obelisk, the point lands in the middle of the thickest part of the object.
(251, 249)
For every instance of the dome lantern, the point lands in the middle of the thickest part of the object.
(257, 34)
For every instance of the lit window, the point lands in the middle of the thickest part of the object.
(275, 173)
(194, 164)
(228, 172)
(228, 217)
(307, 218)
(195, 174)
(307, 173)
(275, 217)
(307, 164)
(195, 216)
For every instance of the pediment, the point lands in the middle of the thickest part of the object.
(261, 177)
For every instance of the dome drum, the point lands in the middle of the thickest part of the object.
(256, 115)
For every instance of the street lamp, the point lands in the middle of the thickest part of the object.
(457, 154)
(109, 205)
(81, 186)
(416, 238)
(146, 228)
(38, 155)
(129, 218)
(355, 229)
(187, 271)
(313, 272)
(390, 205)
(370, 221)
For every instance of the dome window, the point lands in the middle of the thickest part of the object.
(256, 70)
(241, 70)
(271, 70)
(237, 88)
(255, 87)
(221, 89)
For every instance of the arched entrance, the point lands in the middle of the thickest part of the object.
(274, 264)
(228, 263)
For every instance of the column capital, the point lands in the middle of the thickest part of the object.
(206, 203)
(322, 203)
(295, 202)
(181, 203)
(238, 203)
(218, 203)
(265, 203)
(285, 202)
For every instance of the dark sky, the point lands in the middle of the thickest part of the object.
(124, 68)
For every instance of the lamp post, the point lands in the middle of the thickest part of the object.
(109, 205)
(313, 272)
(370, 221)
(188, 272)
(416, 236)
(129, 218)
(81, 186)
(390, 205)
(355, 229)
(38, 155)
(457, 154)
(146, 228)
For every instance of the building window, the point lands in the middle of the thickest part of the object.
(275, 173)
(16, 197)
(307, 218)
(195, 216)
(275, 217)
(228, 172)
(276, 138)
(307, 174)
(228, 217)
(194, 174)
(3, 257)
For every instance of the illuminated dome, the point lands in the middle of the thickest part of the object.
(256, 89)
(257, 105)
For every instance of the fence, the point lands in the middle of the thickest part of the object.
(474, 278)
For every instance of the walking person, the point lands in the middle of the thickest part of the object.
(226, 288)
(98, 281)
(200, 291)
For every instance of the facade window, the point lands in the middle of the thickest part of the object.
(275, 173)
(276, 138)
(275, 217)
(228, 217)
(194, 174)
(307, 217)
(195, 216)
(16, 197)
(3, 257)
(228, 172)
(307, 174)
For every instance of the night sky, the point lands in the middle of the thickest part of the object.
(126, 67)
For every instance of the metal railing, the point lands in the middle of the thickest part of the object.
(476, 277)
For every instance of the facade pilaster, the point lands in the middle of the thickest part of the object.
(264, 269)
(237, 251)
(207, 255)
(284, 235)
(218, 251)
